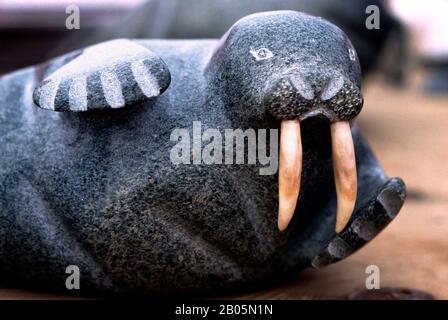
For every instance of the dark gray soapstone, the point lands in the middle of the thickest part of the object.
(94, 186)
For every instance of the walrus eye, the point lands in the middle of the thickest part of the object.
(261, 54)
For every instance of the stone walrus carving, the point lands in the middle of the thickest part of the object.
(95, 185)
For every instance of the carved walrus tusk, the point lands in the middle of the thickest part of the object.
(290, 168)
(344, 166)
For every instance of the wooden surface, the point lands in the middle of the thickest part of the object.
(409, 134)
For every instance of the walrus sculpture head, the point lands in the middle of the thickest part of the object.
(293, 76)
(141, 181)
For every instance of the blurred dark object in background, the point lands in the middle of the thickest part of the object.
(436, 78)
(30, 31)
(427, 23)
(184, 19)
(210, 19)
(391, 294)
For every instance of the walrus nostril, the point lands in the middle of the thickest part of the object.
(302, 87)
(332, 88)
(288, 97)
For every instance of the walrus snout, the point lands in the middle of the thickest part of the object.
(296, 97)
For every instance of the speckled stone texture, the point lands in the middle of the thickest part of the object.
(97, 189)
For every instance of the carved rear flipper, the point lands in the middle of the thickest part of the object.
(365, 223)
(379, 200)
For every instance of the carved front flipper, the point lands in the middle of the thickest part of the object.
(113, 74)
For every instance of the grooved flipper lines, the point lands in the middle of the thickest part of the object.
(113, 74)
(48, 94)
(112, 89)
(146, 81)
(78, 94)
